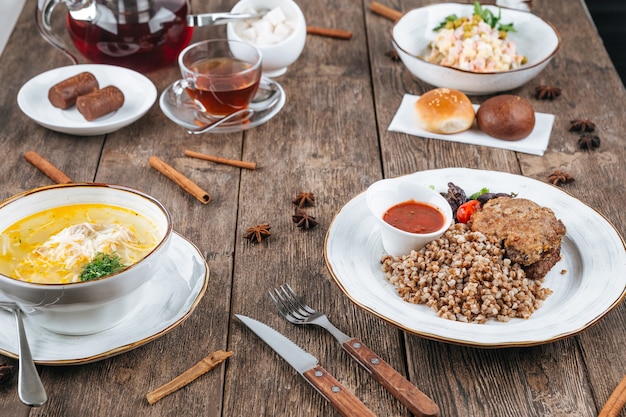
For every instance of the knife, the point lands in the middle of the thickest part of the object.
(307, 365)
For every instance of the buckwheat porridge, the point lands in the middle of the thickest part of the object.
(465, 276)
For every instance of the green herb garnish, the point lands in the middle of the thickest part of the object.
(452, 21)
(507, 27)
(487, 15)
(452, 18)
(482, 191)
(101, 265)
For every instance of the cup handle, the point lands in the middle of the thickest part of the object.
(181, 99)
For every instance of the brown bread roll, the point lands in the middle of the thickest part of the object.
(100, 102)
(444, 110)
(506, 117)
(64, 94)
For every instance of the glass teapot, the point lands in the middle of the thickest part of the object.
(143, 35)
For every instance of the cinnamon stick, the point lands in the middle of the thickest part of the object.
(616, 401)
(199, 369)
(184, 182)
(329, 32)
(385, 11)
(47, 168)
(219, 160)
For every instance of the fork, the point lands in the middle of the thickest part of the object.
(295, 311)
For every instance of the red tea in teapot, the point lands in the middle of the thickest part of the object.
(141, 35)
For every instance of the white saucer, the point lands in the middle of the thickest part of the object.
(188, 119)
(139, 95)
(166, 301)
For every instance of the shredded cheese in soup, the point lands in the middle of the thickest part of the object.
(76, 245)
(54, 246)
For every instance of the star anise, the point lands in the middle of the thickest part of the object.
(304, 199)
(547, 92)
(588, 142)
(560, 177)
(581, 125)
(303, 219)
(257, 233)
(5, 372)
(393, 55)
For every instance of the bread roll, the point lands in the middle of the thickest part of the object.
(444, 110)
(506, 117)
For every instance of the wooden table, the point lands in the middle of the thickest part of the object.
(331, 138)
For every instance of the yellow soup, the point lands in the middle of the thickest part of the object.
(54, 245)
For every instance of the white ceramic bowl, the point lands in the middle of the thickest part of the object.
(536, 39)
(276, 56)
(90, 306)
(384, 194)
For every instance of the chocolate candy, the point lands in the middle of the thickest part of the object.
(100, 102)
(64, 94)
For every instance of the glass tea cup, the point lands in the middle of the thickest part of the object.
(219, 77)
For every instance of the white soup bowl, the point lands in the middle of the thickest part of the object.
(90, 306)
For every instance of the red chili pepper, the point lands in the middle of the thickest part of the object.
(465, 211)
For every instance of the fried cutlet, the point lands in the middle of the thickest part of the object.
(531, 234)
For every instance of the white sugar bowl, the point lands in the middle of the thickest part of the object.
(280, 35)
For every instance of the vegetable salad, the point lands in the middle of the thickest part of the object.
(478, 43)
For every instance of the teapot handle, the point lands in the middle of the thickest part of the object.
(86, 8)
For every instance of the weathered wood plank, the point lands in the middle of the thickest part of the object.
(326, 141)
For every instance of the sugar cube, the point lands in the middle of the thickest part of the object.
(275, 16)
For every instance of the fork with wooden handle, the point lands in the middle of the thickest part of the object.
(294, 310)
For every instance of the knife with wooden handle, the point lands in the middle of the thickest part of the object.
(307, 365)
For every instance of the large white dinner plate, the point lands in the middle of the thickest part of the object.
(165, 302)
(588, 282)
(139, 95)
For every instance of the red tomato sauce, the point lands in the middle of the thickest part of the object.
(414, 217)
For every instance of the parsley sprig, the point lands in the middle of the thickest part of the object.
(101, 265)
(491, 19)
(450, 18)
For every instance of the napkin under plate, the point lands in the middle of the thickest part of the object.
(536, 143)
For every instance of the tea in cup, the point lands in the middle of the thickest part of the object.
(220, 76)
